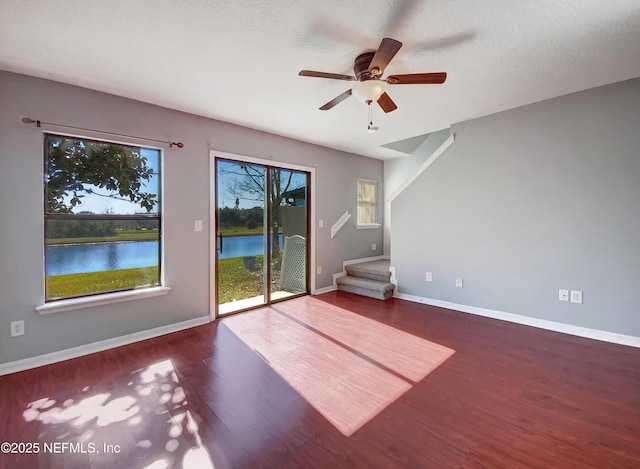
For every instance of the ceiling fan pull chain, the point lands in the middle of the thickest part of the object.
(370, 128)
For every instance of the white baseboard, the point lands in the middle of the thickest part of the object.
(67, 354)
(579, 331)
(320, 291)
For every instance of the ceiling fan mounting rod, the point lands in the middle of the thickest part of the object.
(361, 67)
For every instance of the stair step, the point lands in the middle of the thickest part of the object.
(365, 287)
(373, 270)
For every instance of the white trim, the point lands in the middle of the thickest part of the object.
(213, 154)
(57, 306)
(363, 182)
(322, 290)
(579, 331)
(96, 135)
(261, 161)
(337, 226)
(393, 279)
(98, 300)
(368, 226)
(75, 352)
(434, 156)
(213, 240)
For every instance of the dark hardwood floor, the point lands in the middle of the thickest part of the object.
(508, 396)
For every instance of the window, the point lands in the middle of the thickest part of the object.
(367, 203)
(102, 217)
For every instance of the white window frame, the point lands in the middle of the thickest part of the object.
(103, 298)
(372, 206)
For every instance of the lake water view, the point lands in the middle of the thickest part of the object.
(95, 257)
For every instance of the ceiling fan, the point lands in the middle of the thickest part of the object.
(368, 69)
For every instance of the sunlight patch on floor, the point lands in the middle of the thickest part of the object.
(406, 354)
(348, 367)
(105, 417)
(246, 303)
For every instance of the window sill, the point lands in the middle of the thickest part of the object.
(368, 227)
(97, 300)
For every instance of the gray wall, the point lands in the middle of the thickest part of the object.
(397, 171)
(529, 201)
(186, 199)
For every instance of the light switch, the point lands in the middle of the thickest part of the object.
(197, 226)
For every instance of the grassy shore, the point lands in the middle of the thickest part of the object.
(147, 235)
(241, 231)
(234, 281)
(60, 286)
(127, 235)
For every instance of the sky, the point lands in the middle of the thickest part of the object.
(228, 177)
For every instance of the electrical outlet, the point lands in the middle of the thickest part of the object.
(319, 270)
(320, 223)
(576, 296)
(428, 277)
(459, 282)
(17, 328)
(374, 247)
(563, 295)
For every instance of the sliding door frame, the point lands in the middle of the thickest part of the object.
(269, 164)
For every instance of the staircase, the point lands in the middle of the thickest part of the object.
(368, 279)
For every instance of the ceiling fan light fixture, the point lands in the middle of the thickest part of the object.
(369, 90)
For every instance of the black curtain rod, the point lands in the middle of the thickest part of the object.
(28, 120)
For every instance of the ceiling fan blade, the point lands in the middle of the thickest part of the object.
(337, 100)
(435, 78)
(386, 103)
(333, 76)
(387, 51)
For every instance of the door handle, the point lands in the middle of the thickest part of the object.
(220, 243)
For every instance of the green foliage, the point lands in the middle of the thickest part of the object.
(75, 166)
(235, 217)
(99, 230)
(80, 228)
(61, 286)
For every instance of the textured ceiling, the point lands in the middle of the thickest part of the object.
(238, 61)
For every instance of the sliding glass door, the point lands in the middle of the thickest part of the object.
(262, 234)
(288, 231)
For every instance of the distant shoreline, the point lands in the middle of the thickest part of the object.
(145, 235)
